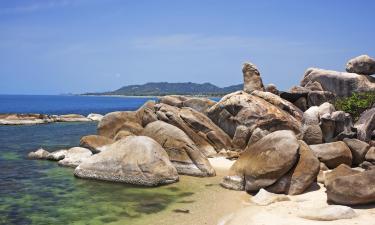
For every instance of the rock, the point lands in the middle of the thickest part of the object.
(38, 154)
(72, 118)
(132, 126)
(241, 137)
(57, 155)
(182, 152)
(325, 108)
(272, 89)
(311, 116)
(340, 83)
(264, 162)
(113, 122)
(328, 213)
(233, 182)
(337, 126)
(362, 64)
(94, 142)
(24, 119)
(199, 104)
(299, 178)
(366, 125)
(341, 170)
(358, 148)
(264, 198)
(333, 154)
(209, 138)
(367, 165)
(146, 113)
(123, 134)
(316, 98)
(75, 156)
(240, 108)
(370, 155)
(173, 100)
(354, 189)
(280, 103)
(314, 86)
(312, 134)
(301, 103)
(135, 160)
(95, 117)
(257, 135)
(252, 78)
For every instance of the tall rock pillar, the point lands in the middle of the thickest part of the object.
(251, 77)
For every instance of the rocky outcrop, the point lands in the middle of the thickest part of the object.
(263, 163)
(134, 160)
(75, 156)
(24, 119)
(333, 154)
(353, 189)
(300, 177)
(341, 83)
(182, 152)
(95, 117)
(71, 118)
(252, 78)
(362, 64)
(240, 108)
(173, 100)
(115, 121)
(358, 148)
(57, 155)
(199, 104)
(366, 125)
(209, 138)
(95, 143)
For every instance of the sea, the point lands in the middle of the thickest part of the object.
(41, 192)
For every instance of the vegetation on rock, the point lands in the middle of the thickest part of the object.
(355, 104)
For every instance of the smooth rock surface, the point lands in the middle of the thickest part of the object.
(75, 156)
(182, 151)
(38, 154)
(135, 160)
(333, 154)
(94, 142)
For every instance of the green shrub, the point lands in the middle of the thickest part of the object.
(356, 103)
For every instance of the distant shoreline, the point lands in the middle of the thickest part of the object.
(152, 96)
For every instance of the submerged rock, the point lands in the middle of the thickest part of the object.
(135, 160)
(182, 152)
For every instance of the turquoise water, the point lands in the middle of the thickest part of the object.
(41, 192)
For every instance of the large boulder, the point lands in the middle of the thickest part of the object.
(300, 177)
(333, 154)
(182, 151)
(358, 148)
(146, 113)
(199, 104)
(135, 160)
(112, 122)
(366, 125)
(241, 108)
(340, 83)
(209, 138)
(94, 142)
(337, 126)
(362, 64)
(264, 162)
(75, 156)
(341, 170)
(252, 79)
(353, 189)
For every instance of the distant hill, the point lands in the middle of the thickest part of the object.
(165, 88)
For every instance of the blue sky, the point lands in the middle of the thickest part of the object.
(75, 46)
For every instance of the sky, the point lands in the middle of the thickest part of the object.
(77, 46)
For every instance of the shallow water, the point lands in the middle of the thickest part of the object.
(41, 192)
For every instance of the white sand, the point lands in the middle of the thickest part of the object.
(285, 213)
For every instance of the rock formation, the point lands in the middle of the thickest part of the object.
(362, 64)
(252, 78)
